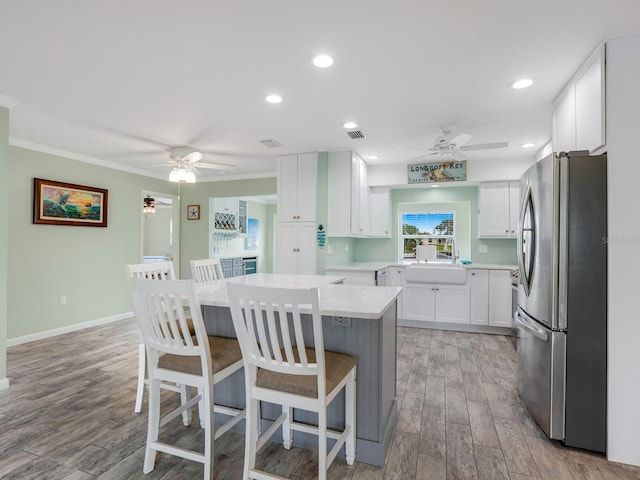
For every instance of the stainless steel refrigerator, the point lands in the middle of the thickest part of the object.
(562, 302)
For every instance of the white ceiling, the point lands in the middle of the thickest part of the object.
(121, 81)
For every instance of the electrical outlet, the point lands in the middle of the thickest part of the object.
(63, 300)
(483, 248)
(341, 321)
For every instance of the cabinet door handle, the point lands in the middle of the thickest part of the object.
(473, 274)
(506, 231)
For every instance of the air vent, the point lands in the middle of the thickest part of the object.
(356, 134)
(270, 143)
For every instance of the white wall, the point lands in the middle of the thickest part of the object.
(157, 232)
(623, 125)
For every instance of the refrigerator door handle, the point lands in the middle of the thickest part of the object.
(524, 322)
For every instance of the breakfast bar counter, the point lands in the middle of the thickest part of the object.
(357, 320)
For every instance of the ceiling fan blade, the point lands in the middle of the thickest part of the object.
(414, 148)
(193, 157)
(215, 166)
(194, 169)
(485, 146)
(159, 165)
(461, 139)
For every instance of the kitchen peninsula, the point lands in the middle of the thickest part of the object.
(357, 320)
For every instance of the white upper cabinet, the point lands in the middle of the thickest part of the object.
(499, 204)
(380, 212)
(339, 195)
(349, 196)
(360, 220)
(297, 186)
(579, 110)
(564, 124)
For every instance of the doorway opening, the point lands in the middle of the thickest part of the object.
(160, 229)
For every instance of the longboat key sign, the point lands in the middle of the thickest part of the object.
(444, 171)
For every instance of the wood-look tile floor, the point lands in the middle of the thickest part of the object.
(68, 415)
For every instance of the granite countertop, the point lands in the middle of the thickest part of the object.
(357, 301)
(373, 266)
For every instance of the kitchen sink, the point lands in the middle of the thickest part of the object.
(441, 273)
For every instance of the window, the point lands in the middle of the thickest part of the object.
(434, 230)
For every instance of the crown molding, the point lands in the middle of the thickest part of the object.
(8, 102)
(16, 142)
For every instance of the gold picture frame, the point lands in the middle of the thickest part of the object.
(61, 203)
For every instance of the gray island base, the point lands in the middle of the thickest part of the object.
(357, 320)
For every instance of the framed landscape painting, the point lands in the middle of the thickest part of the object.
(59, 203)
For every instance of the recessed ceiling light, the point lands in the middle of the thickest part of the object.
(273, 98)
(434, 186)
(323, 61)
(373, 157)
(522, 83)
(528, 145)
(350, 125)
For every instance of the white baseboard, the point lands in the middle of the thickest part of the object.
(4, 383)
(12, 342)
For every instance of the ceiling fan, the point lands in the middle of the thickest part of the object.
(449, 143)
(186, 163)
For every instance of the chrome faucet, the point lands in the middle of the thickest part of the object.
(451, 241)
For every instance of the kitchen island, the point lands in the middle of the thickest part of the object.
(357, 320)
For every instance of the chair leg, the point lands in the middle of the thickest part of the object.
(251, 441)
(142, 371)
(209, 434)
(201, 408)
(322, 443)
(350, 421)
(153, 425)
(287, 432)
(185, 396)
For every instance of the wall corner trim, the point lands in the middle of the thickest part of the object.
(8, 102)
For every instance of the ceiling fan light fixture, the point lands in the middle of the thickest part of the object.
(522, 83)
(148, 204)
(180, 174)
(273, 98)
(322, 61)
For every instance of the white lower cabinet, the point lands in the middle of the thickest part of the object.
(499, 298)
(296, 248)
(436, 303)
(479, 293)
(490, 292)
(395, 278)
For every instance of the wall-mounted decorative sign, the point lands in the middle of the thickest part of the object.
(193, 212)
(444, 171)
(59, 203)
(321, 235)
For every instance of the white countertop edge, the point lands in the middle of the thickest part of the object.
(355, 301)
(373, 266)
